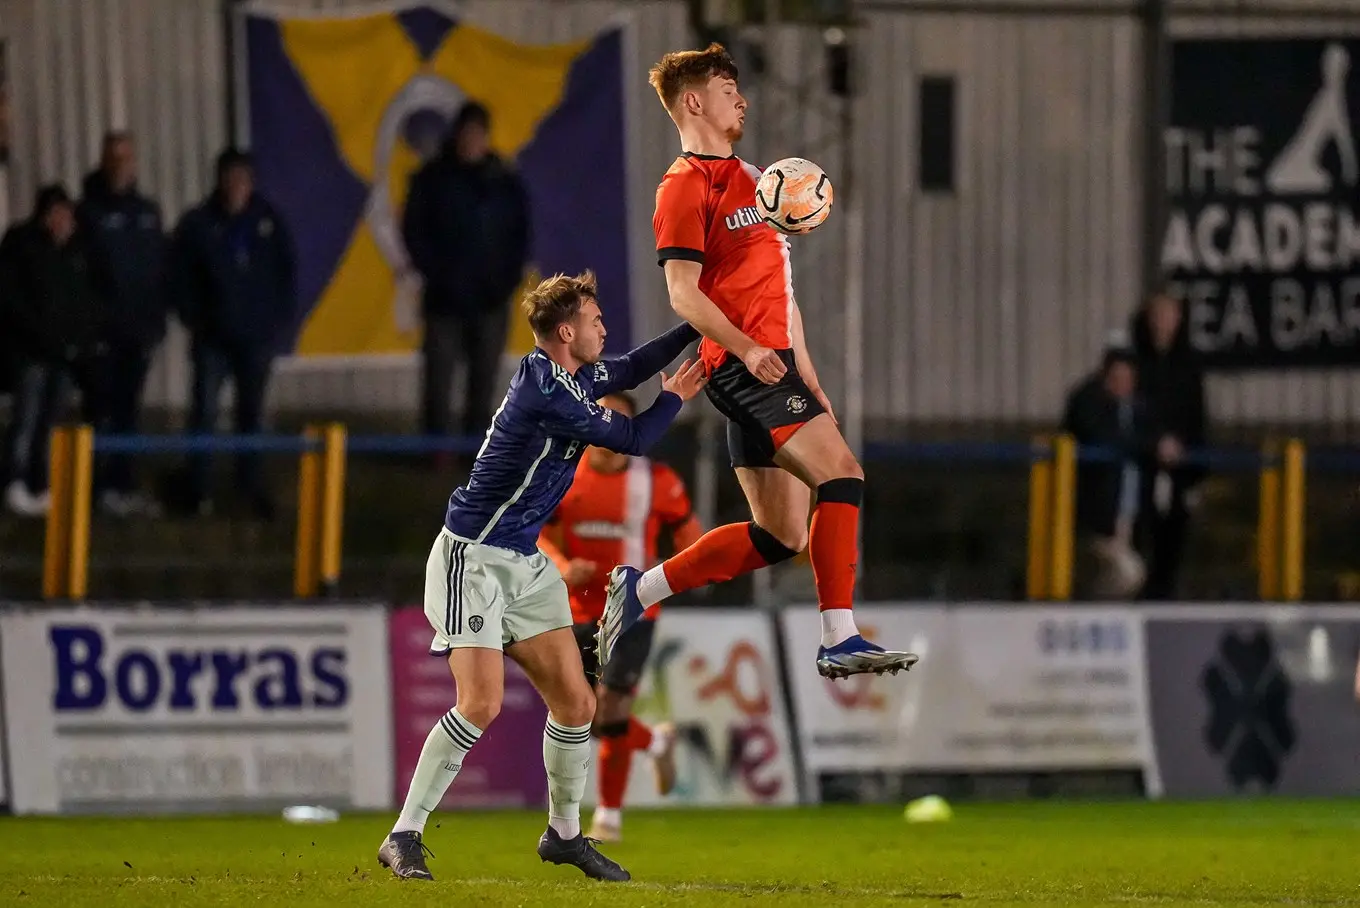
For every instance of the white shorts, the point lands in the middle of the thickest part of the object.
(489, 597)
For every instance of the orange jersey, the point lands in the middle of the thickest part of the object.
(615, 518)
(705, 213)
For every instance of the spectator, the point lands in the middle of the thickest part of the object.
(1103, 411)
(1171, 381)
(8, 353)
(234, 282)
(52, 316)
(127, 246)
(466, 228)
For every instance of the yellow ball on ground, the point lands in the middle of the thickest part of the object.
(930, 809)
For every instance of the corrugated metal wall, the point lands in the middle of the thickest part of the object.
(82, 67)
(989, 302)
(157, 67)
(1003, 293)
(993, 298)
(984, 304)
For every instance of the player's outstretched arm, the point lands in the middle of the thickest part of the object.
(694, 306)
(687, 533)
(673, 509)
(568, 413)
(626, 372)
(548, 546)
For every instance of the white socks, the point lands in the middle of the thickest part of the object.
(610, 817)
(653, 587)
(838, 625)
(440, 759)
(566, 755)
(661, 739)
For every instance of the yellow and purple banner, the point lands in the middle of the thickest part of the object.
(344, 110)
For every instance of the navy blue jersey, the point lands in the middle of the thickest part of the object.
(543, 426)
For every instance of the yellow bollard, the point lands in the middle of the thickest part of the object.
(1291, 568)
(1064, 516)
(332, 506)
(1040, 546)
(307, 564)
(82, 484)
(57, 541)
(1268, 527)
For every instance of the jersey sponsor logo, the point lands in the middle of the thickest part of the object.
(743, 218)
(600, 529)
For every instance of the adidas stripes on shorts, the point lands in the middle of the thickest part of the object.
(489, 597)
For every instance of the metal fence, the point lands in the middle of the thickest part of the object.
(1043, 475)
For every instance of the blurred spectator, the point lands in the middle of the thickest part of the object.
(1171, 381)
(127, 246)
(9, 363)
(466, 228)
(1104, 411)
(4, 110)
(52, 316)
(234, 283)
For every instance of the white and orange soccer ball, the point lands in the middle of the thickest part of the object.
(794, 196)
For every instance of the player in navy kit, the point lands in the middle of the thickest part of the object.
(488, 589)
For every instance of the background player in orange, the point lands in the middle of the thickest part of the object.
(729, 276)
(616, 511)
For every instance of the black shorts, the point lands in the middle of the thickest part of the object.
(624, 672)
(754, 410)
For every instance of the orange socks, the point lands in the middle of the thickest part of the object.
(833, 543)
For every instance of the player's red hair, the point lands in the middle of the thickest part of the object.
(678, 72)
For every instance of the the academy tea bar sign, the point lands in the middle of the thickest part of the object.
(1262, 238)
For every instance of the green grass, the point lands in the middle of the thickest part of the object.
(1239, 853)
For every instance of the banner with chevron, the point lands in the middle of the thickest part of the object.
(343, 110)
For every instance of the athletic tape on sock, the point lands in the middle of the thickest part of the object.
(843, 491)
(767, 546)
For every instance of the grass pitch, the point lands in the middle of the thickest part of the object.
(1239, 853)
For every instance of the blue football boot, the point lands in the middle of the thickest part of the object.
(622, 610)
(857, 656)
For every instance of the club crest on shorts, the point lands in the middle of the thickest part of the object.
(797, 403)
(475, 622)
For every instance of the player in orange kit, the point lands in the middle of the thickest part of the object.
(615, 512)
(728, 274)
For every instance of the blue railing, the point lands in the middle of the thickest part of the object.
(205, 444)
(1051, 464)
(1218, 458)
(283, 444)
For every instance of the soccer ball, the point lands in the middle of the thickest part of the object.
(793, 196)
